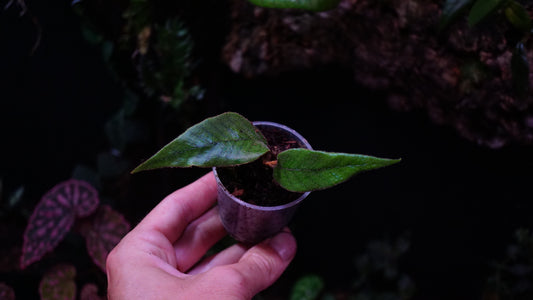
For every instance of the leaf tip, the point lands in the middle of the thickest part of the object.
(144, 166)
(137, 169)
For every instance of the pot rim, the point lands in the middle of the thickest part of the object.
(268, 208)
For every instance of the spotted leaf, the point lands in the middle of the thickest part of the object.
(103, 232)
(90, 292)
(58, 283)
(6, 292)
(53, 217)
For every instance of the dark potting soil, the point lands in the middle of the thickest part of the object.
(253, 182)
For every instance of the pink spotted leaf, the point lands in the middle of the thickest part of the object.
(90, 292)
(6, 292)
(53, 217)
(102, 233)
(58, 283)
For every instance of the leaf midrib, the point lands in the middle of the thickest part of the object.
(326, 168)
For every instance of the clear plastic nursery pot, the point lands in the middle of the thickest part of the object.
(250, 223)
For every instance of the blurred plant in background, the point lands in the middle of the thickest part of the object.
(150, 56)
(379, 276)
(72, 206)
(149, 53)
(512, 278)
(480, 11)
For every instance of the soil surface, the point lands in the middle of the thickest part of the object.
(254, 182)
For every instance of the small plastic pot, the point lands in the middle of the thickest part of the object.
(249, 223)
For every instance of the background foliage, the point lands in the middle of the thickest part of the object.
(95, 87)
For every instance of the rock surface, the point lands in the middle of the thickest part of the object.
(460, 76)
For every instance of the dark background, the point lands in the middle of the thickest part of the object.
(460, 203)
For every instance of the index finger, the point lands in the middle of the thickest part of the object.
(177, 210)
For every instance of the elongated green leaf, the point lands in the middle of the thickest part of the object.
(450, 11)
(517, 15)
(483, 9)
(301, 170)
(312, 5)
(228, 139)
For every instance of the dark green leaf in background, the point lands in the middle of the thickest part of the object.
(312, 5)
(518, 16)
(482, 9)
(301, 170)
(452, 9)
(228, 139)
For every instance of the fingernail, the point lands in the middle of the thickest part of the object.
(284, 244)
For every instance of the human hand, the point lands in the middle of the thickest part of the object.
(161, 258)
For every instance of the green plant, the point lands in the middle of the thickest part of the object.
(312, 5)
(149, 50)
(515, 14)
(481, 10)
(70, 206)
(230, 139)
(512, 277)
(378, 275)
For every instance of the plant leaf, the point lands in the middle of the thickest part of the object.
(53, 217)
(520, 70)
(307, 287)
(58, 283)
(312, 5)
(6, 292)
(103, 232)
(452, 9)
(90, 292)
(228, 139)
(301, 170)
(518, 16)
(15, 197)
(483, 9)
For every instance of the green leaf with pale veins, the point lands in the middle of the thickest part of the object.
(228, 139)
(301, 170)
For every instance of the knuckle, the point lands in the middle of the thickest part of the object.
(263, 264)
(111, 259)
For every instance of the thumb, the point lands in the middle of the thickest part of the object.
(264, 263)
